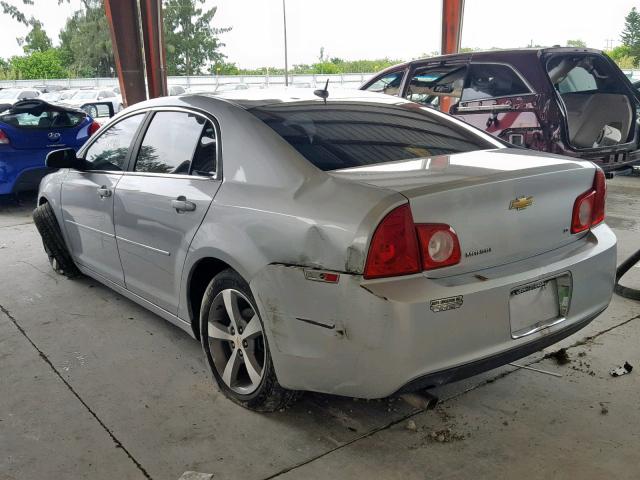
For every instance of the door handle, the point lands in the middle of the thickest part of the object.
(104, 192)
(181, 204)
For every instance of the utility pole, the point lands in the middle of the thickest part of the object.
(286, 63)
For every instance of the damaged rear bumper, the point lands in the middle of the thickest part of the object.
(370, 339)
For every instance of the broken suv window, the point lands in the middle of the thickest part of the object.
(599, 110)
(352, 134)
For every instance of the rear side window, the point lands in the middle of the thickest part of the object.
(173, 140)
(46, 119)
(490, 81)
(388, 84)
(109, 151)
(352, 134)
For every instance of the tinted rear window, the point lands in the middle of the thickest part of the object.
(39, 118)
(344, 135)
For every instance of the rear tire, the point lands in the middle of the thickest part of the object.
(235, 346)
(59, 257)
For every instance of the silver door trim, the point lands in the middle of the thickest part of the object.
(153, 249)
(111, 235)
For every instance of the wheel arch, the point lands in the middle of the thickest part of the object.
(200, 275)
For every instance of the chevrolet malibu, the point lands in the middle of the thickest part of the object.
(357, 245)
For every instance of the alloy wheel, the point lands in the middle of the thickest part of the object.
(236, 341)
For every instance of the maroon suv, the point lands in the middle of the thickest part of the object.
(571, 101)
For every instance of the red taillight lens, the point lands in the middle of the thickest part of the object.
(583, 212)
(4, 140)
(589, 208)
(394, 246)
(93, 128)
(600, 186)
(439, 246)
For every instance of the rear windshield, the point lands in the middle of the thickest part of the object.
(349, 134)
(43, 118)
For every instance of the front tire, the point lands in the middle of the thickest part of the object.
(236, 348)
(53, 242)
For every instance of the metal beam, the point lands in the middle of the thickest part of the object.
(127, 48)
(154, 52)
(452, 13)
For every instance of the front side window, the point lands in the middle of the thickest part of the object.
(353, 134)
(109, 151)
(389, 84)
(429, 84)
(170, 143)
(492, 81)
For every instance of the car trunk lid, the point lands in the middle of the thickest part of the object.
(505, 205)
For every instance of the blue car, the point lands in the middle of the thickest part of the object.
(29, 130)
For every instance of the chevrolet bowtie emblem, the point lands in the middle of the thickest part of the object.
(521, 203)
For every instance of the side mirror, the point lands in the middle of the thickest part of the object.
(65, 158)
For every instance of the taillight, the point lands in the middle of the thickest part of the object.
(93, 128)
(394, 246)
(600, 186)
(400, 247)
(589, 208)
(4, 140)
(439, 245)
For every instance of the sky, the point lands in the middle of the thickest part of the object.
(359, 29)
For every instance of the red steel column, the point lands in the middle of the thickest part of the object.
(127, 48)
(154, 52)
(452, 13)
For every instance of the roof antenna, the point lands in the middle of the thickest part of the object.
(323, 93)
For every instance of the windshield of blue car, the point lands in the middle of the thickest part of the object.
(43, 119)
(352, 134)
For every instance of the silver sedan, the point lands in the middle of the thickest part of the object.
(358, 245)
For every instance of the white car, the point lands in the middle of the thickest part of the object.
(104, 95)
(9, 96)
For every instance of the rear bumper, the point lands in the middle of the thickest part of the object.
(370, 339)
(473, 368)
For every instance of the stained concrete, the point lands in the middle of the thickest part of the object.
(93, 386)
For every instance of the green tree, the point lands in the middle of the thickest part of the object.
(39, 65)
(85, 42)
(577, 43)
(631, 34)
(191, 41)
(37, 39)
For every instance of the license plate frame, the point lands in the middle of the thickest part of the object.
(538, 305)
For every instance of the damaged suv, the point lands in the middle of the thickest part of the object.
(569, 101)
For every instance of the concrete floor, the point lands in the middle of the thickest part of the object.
(93, 386)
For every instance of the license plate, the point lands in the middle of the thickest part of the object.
(538, 305)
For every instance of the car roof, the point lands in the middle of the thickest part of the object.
(493, 55)
(254, 98)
